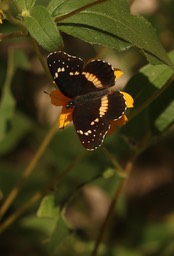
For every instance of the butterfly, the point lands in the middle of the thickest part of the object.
(88, 86)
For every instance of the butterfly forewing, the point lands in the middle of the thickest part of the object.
(92, 120)
(66, 71)
(97, 75)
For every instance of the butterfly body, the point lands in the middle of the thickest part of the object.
(89, 97)
(88, 87)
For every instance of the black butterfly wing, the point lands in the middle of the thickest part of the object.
(97, 75)
(90, 128)
(92, 119)
(66, 71)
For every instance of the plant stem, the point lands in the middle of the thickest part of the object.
(27, 172)
(119, 170)
(65, 16)
(20, 211)
(42, 60)
(16, 214)
(77, 189)
(115, 198)
(10, 35)
(15, 21)
(70, 167)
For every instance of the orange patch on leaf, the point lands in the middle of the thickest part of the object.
(65, 117)
(129, 100)
(117, 73)
(115, 124)
(1, 16)
(58, 99)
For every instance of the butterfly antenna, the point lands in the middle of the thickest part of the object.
(46, 92)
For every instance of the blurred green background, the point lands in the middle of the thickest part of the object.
(143, 221)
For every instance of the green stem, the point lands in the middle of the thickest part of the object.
(10, 69)
(42, 60)
(28, 171)
(115, 198)
(15, 21)
(79, 187)
(70, 167)
(15, 215)
(119, 170)
(65, 16)
(10, 35)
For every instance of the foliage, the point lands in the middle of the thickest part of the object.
(48, 203)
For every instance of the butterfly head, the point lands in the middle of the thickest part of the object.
(71, 104)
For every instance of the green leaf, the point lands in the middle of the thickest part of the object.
(43, 29)
(7, 104)
(132, 128)
(61, 7)
(54, 5)
(45, 225)
(111, 24)
(157, 232)
(152, 90)
(59, 235)
(109, 173)
(47, 208)
(161, 110)
(166, 118)
(20, 125)
(94, 36)
(16, 59)
(24, 4)
(149, 81)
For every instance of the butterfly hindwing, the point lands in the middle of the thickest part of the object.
(113, 106)
(92, 119)
(90, 128)
(66, 71)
